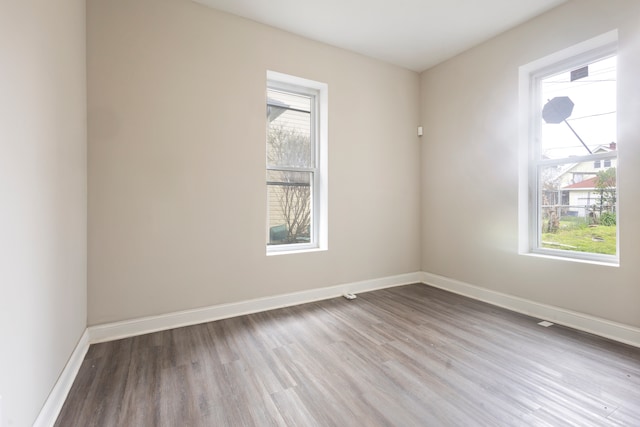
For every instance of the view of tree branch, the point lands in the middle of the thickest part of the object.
(287, 147)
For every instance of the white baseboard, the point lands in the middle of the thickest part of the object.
(112, 331)
(52, 406)
(145, 325)
(582, 322)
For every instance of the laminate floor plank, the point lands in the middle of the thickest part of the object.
(405, 356)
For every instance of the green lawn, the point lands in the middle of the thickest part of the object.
(572, 236)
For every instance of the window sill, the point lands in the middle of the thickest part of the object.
(551, 256)
(292, 251)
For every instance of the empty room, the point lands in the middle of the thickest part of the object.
(338, 213)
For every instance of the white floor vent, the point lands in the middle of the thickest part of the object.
(545, 324)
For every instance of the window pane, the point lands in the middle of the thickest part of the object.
(578, 208)
(289, 129)
(289, 206)
(592, 116)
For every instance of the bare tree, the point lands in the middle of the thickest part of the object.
(289, 148)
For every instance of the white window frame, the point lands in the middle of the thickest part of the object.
(319, 133)
(529, 155)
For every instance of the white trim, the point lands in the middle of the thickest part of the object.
(145, 325)
(582, 322)
(53, 405)
(602, 41)
(117, 330)
(128, 328)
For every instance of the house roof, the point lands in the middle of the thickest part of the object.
(605, 148)
(585, 184)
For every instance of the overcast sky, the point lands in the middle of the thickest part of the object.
(594, 114)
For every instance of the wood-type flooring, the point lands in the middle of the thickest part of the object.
(405, 356)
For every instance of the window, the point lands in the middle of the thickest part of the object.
(296, 164)
(568, 200)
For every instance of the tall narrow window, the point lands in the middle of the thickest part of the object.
(296, 164)
(572, 154)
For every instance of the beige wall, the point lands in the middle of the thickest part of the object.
(42, 198)
(177, 195)
(470, 195)
(176, 182)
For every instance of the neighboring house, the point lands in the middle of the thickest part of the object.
(580, 196)
(577, 183)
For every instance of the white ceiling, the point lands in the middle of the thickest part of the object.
(415, 34)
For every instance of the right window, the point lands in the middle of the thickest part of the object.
(573, 156)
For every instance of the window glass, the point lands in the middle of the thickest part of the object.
(574, 159)
(592, 122)
(289, 129)
(289, 196)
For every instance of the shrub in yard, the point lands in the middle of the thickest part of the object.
(608, 218)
